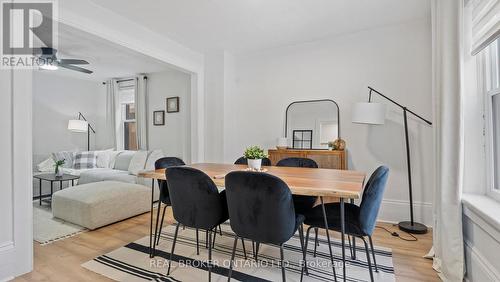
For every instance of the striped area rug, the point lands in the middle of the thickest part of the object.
(132, 262)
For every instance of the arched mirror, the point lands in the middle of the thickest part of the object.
(312, 124)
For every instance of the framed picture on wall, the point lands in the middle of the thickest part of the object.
(159, 118)
(173, 105)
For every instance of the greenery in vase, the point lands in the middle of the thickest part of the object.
(254, 153)
(58, 164)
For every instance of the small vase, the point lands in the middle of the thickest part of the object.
(254, 164)
(59, 172)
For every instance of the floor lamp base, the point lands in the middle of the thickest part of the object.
(415, 228)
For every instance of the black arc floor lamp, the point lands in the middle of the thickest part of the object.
(374, 113)
(81, 125)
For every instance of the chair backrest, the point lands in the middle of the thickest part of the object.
(244, 161)
(372, 198)
(195, 199)
(166, 162)
(297, 162)
(260, 207)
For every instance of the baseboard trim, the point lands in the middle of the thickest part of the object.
(394, 211)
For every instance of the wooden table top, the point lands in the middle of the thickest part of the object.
(302, 181)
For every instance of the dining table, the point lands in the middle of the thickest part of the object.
(319, 182)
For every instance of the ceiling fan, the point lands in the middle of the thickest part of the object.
(50, 61)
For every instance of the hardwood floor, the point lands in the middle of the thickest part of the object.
(60, 261)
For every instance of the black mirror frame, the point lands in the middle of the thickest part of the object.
(310, 101)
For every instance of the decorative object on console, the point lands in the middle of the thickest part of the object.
(302, 139)
(58, 172)
(254, 155)
(339, 144)
(374, 113)
(282, 143)
(173, 105)
(81, 125)
(159, 118)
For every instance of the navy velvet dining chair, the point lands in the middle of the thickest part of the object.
(244, 161)
(196, 203)
(260, 208)
(359, 220)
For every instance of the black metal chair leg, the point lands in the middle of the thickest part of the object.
(220, 230)
(282, 260)
(305, 248)
(209, 263)
(197, 243)
(215, 233)
(161, 224)
(206, 239)
(302, 245)
(244, 250)
(373, 253)
(350, 246)
(173, 248)
(316, 243)
(257, 244)
(156, 229)
(368, 259)
(232, 258)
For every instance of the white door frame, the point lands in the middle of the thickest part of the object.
(16, 188)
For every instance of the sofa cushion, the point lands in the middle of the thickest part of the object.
(67, 156)
(97, 204)
(103, 174)
(152, 158)
(103, 158)
(122, 160)
(85, 160)
(138, 162)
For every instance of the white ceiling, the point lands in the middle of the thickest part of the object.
(249, 25)
(107, 59)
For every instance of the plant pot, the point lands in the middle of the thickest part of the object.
(254, 164)
(59, 172)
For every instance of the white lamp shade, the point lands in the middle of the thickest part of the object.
(369, 113)
(78, 125)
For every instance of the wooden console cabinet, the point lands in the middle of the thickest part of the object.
(324, 158)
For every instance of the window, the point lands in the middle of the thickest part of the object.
(128, 126)
(491, 86)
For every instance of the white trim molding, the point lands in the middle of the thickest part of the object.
(394, 211)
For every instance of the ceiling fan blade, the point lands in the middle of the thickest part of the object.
(75, 68)
(73, 62)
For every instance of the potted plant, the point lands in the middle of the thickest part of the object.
(254, 156)
(58, 171)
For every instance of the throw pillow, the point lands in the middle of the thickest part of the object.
(103, 158)
(85, 160)
(67, 156)
(153, 156)
(138, 162)
(122, 160)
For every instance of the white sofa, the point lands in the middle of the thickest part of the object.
(122, 166)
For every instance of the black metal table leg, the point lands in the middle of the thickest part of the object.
(51, 188)
(72, 182)
(40, 190)
(328, 237)
(342, 234)
(353, 241)
(151, 221)
(60, 185)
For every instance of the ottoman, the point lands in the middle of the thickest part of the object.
(97, 204)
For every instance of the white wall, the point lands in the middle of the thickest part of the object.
(395, 60)
(57, 99)
(173, 137)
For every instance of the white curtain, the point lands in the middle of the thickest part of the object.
(141, 111)
(447, 88)
(485, 23)
(111, 106)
